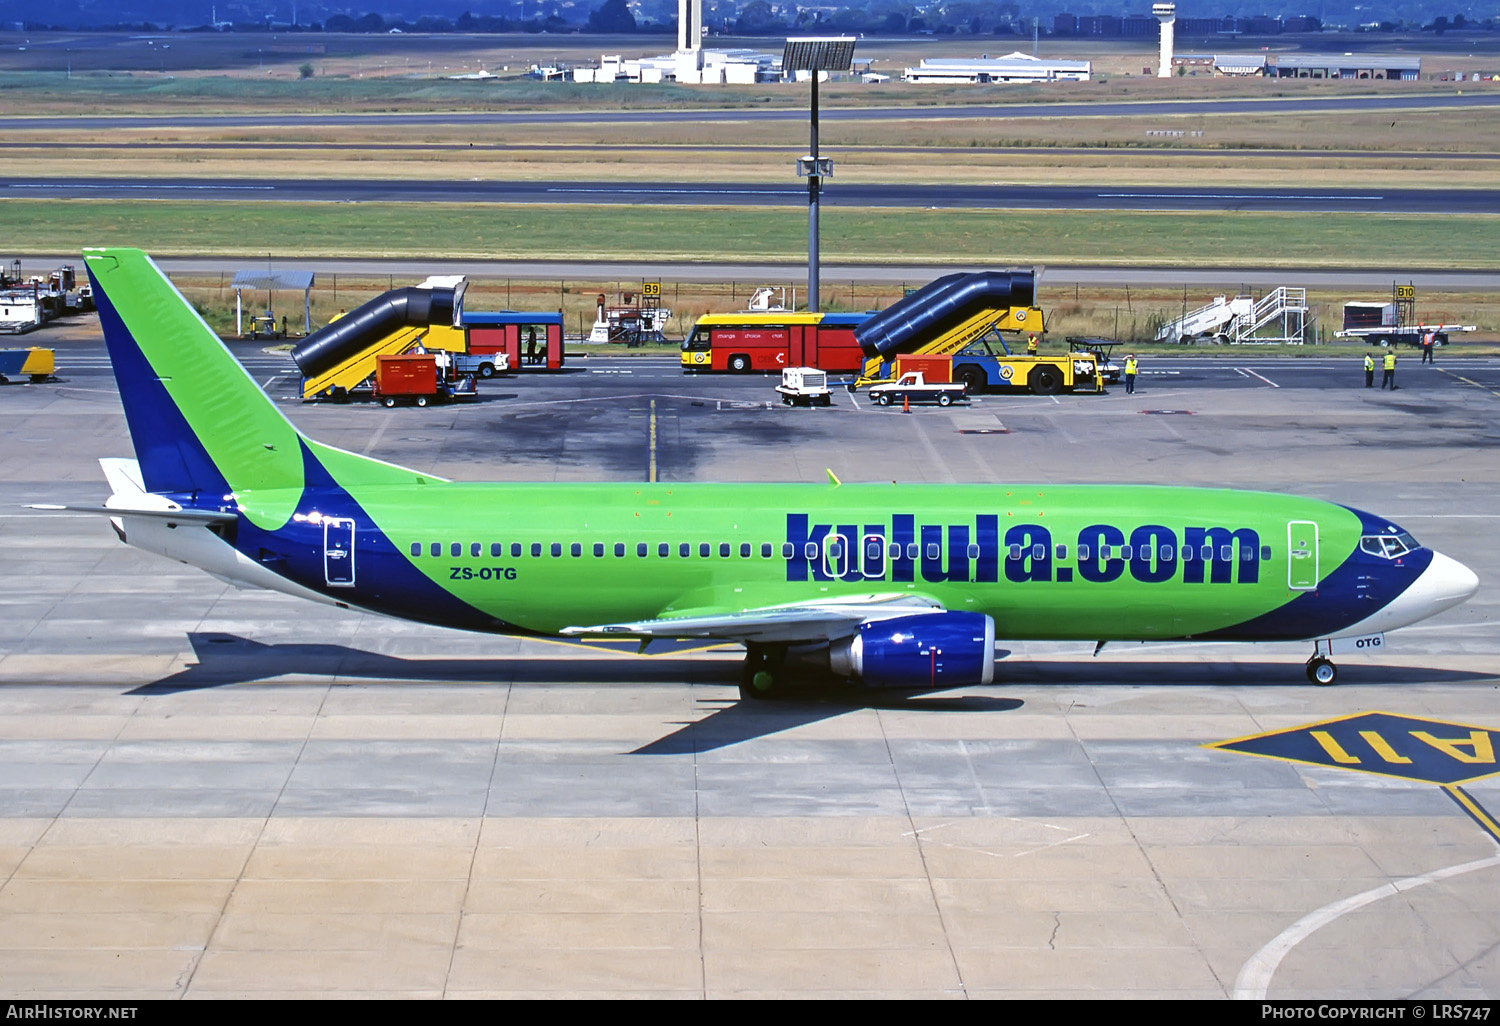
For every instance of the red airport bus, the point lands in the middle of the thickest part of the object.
(745, 342)
(533, 341)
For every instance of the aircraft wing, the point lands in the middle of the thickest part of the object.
(803, 621)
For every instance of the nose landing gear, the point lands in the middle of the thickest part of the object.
(1320, 670)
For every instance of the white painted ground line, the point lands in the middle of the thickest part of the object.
(1255, 975)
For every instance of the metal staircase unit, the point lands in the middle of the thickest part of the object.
(1279, 316)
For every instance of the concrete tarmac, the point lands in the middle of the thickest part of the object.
(207, 792)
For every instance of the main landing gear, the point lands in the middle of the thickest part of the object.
(764, 673)
(1320, 670)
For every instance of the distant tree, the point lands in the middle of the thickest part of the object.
(612, 16)
(305, 71)
(757, 19)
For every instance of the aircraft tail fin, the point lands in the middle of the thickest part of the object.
(200, 424)
(198, 421)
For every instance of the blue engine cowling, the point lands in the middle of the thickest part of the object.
(926, 650)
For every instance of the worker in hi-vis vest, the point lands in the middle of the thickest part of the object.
(1388, 379)
(1130, 369)
(1369, 370)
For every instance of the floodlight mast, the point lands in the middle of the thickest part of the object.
(814, 54)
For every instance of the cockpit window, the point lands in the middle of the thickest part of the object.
(1387, 546)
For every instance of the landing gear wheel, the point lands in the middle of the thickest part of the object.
(1321, 671)
(762, 675)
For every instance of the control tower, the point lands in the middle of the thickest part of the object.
(689, 40)
(689, 25)
(1167, 15)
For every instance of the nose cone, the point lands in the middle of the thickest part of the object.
(1451, 583)
(1444, 584)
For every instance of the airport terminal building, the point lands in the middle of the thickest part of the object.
(1013, 67)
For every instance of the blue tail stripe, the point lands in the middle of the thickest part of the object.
(168, 451)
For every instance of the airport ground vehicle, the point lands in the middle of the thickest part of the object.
(419, 379)
(888, 585)
(341, 357)
(804, 386)
(988, 365)
(35, 363)
(943, 317)
(913, 387)
(742, 343)
(265, 326)
(1389, 324)
(1103, 350)
(484, 365)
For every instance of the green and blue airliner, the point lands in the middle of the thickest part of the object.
(888, 585)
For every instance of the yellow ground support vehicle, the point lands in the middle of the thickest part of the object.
(35, 363)
(945, 316)
(988, 365)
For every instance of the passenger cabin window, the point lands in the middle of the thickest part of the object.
(515, 548)
(496, 549)
(765, 550)
(641, 548)
(619, 549)
(416, 548)
(664, 550)
(474, 550)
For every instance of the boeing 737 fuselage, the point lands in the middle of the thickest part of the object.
(891, 585)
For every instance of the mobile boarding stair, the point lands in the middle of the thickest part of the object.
(345, 353)
(946, 315)
(1279, 316)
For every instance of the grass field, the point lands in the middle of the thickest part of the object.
(848, 234)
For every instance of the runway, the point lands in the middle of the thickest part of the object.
(998, 196)
(212, 793)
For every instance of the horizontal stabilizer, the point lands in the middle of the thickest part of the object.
(179, 516)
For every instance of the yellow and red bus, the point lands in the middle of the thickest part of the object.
(744, 342)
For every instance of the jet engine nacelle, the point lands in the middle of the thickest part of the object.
(926, 650)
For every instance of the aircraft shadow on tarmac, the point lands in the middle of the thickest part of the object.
(225, 659)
